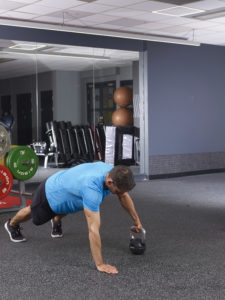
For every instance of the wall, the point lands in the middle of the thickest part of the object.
(186, 108)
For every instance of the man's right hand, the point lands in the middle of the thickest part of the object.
(107, 269)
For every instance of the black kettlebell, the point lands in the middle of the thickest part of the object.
(137, 245)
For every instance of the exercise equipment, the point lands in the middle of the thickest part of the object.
(6, 181)
(123, 96)
(137, 244)
(124, 146)
(22, 162)
(4, 141)
(122, 117)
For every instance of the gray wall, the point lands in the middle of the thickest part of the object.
(186, 102)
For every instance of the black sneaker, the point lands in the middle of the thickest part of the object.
(14, 233)
(56, 229)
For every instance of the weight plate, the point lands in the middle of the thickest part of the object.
(4, 141)
(22, 162)
(6, 181)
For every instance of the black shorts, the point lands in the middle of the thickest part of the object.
(41, 212)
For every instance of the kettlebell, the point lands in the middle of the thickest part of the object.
(137, 245)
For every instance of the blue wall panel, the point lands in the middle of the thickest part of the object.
(186, 99)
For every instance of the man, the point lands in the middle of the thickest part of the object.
(82, 187)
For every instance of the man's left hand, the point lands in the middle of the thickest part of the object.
(136, 228)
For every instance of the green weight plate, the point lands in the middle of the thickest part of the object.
(22, 162)
(4, 141)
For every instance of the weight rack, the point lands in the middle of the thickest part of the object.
(21, 193)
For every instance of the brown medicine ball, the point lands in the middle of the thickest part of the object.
(123, 96)
(122, 117)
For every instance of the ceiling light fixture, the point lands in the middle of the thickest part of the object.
(27, 47)
(178, 11)
(98, 32)
(210, 15)
(64, 55)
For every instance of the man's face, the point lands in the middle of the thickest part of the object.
(115, 190)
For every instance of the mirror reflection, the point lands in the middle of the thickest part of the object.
(61, 99)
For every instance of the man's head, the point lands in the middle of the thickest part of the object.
(120, 180)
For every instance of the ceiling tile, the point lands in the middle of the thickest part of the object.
(150, 6)
(24, 1)
(152, 26)
(98, 18)
(124, 12)
(152, 17)
(80, 22)
(218, 20)
(7, 5)
(64, 4)
(18, 15)
(94, 8)
(217, 28)
(111, 26)
(37, 9)
(118, 2)
(176, 29)
(176, 21)
(207, 4)
(199, 24)
(48, 19)
(69, 14)
(126, 22)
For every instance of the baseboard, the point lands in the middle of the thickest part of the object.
(173, 175)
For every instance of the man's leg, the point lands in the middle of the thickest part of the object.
(57, 226)
(12, 226)
(22, 215)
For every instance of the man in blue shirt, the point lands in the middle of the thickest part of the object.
(82, 187)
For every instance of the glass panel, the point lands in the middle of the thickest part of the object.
(63, 87)
(107, 116)
(17, 91)
(108, 101)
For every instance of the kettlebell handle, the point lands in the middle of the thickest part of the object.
(142, 231)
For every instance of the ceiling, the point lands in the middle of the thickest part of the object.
(199, 21)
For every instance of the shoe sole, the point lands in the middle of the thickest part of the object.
(15, 241)
(55, 236)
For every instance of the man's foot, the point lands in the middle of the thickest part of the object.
(56, 229)
(14, 233)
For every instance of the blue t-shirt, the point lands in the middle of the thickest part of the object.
(71, 190)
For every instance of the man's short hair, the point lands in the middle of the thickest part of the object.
(122, 177)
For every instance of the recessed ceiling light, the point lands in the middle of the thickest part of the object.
(210, 15)
(27, 47)
(178, 11)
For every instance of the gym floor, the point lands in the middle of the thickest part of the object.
(185, 257)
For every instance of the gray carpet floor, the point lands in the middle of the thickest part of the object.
(185, 257)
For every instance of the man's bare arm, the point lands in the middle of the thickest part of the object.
(128, 205)
(93, 221)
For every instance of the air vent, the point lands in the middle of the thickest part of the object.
(177, 2)
(5, 60)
